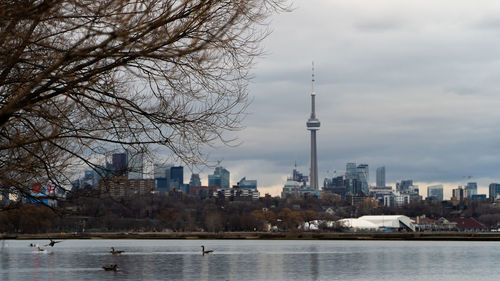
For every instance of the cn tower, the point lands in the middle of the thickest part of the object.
(313, 125)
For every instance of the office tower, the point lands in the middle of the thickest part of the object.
(380, 176)
(313, 125)
(214, 180)
(470, 189)
(351, 171)
(458, 193)
(494, 190)
(363, 176)
(404, 186)
(195, 180)
(219, 178)
(176, 177)
(435, 192)
(135, 165)
(119, 164)
(162, 170)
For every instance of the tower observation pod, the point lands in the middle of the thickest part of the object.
(313, 125)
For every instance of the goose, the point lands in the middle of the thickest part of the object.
(203, 252)
(115, 252)
(110, 267)
(52, 243)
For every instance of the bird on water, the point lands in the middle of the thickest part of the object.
(115, 252)
(110, 267)
(203, 251)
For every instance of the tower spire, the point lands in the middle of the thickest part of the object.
(313, 125)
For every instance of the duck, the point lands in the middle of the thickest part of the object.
(110, 267)
(52, 243)
(115, 252)
(203, 252)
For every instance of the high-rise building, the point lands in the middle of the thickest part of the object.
(219, 178)
(135, 165)
(363, 176)
(176, 177)
(458, 194)
(351, 171)
(162, 170)
(470, 189)
(313, 125)
(380, 177)
(119, 164)
(404, 185)
(214, 180)
(435, 192)
(494, 190)
(195, 180)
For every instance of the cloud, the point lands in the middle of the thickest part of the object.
(411, 85)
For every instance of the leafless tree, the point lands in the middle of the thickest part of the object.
(77, 76)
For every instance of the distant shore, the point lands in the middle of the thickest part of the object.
(426, 236)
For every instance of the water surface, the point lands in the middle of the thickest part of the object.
(251, 260)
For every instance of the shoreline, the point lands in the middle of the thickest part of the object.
(408, 236)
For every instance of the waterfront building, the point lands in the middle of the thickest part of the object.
(313, 125)
(380, 177)
(435, 192)
(494, 190)
(379, 223)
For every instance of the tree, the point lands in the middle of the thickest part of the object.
(79, 77)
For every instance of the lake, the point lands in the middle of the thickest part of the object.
(251, 260)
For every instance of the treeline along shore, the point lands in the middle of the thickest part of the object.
(426, 236)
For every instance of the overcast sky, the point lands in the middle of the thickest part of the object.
(410, 85)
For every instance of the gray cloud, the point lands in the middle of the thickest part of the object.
(411, 85)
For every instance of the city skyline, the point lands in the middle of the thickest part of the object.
(405, 85)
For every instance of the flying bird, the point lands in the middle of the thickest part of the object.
(52, 243)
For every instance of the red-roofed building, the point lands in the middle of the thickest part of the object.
(468, 224)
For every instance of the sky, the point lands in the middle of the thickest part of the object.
(410, 85)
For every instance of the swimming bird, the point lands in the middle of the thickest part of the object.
(115, 252)
(110, 267)
(203, 252)
(33, 245)
(52, 243)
